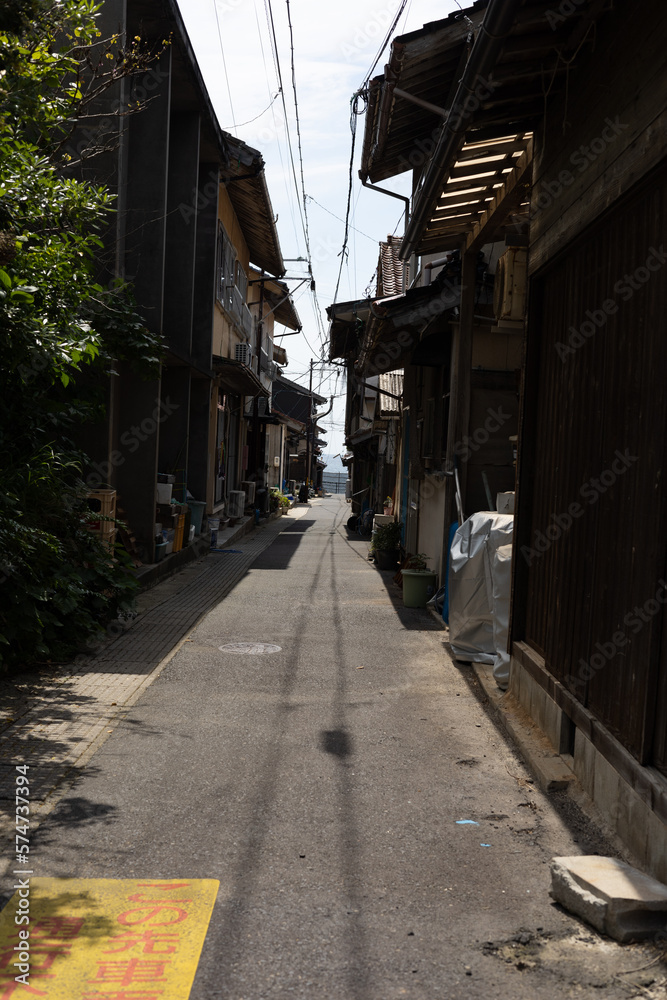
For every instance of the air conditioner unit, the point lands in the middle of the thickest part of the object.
(243, 353)
(236, 503)
(509, 293)
(249, 491)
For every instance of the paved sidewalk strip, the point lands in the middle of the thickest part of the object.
(65, 717)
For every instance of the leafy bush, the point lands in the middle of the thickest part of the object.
(59, 586)
(387, 537)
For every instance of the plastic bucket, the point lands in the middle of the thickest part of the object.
(418, 587)
(197, 508)
(160, 551)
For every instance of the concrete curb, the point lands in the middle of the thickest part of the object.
(552, 771)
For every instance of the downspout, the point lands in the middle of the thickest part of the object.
(392, 194)
(497, 24)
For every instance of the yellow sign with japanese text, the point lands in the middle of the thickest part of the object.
(103, 939)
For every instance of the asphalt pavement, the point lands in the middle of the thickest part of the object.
(373, 834)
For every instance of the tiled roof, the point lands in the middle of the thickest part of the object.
(390, 269)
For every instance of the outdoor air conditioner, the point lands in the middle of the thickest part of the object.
(509, 293)
(243, 353)
(236, 503)
(249, 491)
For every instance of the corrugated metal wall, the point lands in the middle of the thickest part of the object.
(596, 550)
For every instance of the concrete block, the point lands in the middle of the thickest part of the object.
(516, 679)
(656, 847)
(606, 790)
(631, 822)
(552, 717)
(615, 898)
(538, 706)
(551, 771)
(584, 762)
(526, 690)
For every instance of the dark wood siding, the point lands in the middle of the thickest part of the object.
(594, 436)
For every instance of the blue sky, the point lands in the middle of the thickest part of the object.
(335, 45)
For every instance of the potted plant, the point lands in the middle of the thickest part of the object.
(388, 505)
(418, 582)
(385, 544)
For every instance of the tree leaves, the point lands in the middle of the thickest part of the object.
(60, 331)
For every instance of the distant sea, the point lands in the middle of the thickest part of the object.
(334, 463)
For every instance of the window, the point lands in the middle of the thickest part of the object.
(241, 280)
(226, 260)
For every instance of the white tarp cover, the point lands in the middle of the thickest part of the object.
(501, 582)
(475, 578)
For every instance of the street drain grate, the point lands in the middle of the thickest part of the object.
(252, 648)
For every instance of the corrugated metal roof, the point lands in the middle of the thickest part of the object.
(391, 269)
(390, 382)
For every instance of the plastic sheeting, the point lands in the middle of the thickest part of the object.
(479, 591)
(501, 583)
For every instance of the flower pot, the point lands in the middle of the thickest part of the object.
(386, 558)
(387, 510)
(418, 587)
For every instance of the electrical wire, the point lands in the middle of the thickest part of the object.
(354, 113)
(301, 193)
(361, 93)
(224, 62)
(283, 170)
(387, 37)
(298, 133)
(319, 205)
(276, 56)
(251, 120)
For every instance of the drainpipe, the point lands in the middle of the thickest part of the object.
(497, 24)
(392, 194)
(401, 197)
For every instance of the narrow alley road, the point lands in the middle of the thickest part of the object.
(372, 834)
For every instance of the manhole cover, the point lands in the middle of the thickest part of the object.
(253, 648)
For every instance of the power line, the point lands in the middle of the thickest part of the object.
(324, 209)
(298, 133)
(354, 113)
(276, 56)
(283, 171)
(361, 93)
(301, 195)
(224, 62)
(387, 37)
(251, 120)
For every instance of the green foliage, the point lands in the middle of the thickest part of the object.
(418, 561)
(278, 499)
(387, 537)
(60, 332)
